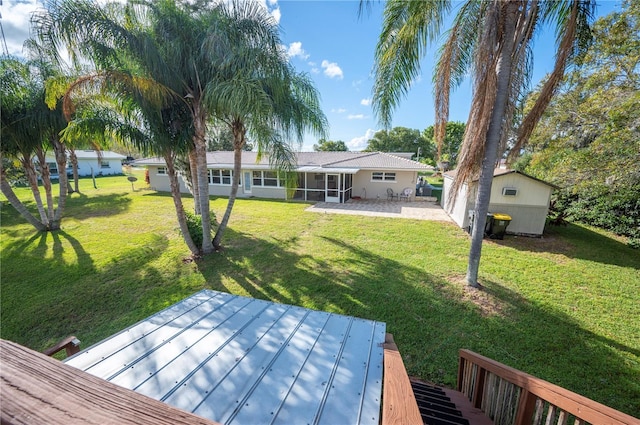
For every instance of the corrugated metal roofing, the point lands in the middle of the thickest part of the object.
(239, 360)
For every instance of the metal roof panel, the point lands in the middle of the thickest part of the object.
(241, 360)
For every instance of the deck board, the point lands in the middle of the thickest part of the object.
(37, 389)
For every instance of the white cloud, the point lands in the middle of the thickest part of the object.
(365, 102)
(295, 49)
(273, 8)
(360, 143)
(276, 14)
(339, 110)
(315, 71)
(331, 69)
(15, 23)
(356, 117)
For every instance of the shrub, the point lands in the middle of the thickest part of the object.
(194, 223)
(617, 211)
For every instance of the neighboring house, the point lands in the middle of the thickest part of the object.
(322, 176)
(110, 163)
(524, 198)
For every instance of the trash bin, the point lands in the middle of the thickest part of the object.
(495, 227)
(487, 227)
(436, 192)
(499, 223)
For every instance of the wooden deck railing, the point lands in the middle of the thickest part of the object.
(70, 344)
(399, 406)
(511, 397)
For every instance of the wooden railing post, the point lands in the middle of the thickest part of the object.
(461, 367)
(71, 345)
(526, 406)
(478, 394)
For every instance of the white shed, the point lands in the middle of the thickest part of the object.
(524, 198)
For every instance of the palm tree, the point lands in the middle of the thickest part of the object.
(492, 40)
(185, 48)
(258, 93)
(28, 128)
(131, 119)
(128, 47)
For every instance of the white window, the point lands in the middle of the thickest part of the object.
(257, 178)
(104, 164)
(162, 171)
(379, 176)
(222, 177)
(267, 178)
(270, 178)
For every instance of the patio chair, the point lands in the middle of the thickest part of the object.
(391, 194)
(406, 193)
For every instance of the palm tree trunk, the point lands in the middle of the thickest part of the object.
(203, 181)
(238, 144)
(45, 173)
(61, 160)
(7, 191)
(193, 169)
(503, 71)
(177, 202)
(73, 158)
(32, 177)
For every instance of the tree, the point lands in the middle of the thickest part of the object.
(587, 142)
(220, 138)
(454, 135)
(138, 49)
(223, 61)
(260, 94)
(491, 39)
(400, 139)
(128, 117)
(330, 146)
(28, 128)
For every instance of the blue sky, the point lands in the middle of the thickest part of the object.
(330, 42)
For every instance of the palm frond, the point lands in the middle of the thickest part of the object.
(454, 61)
(572, 26)
(408, 28)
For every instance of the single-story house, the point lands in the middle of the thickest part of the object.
(322, 176)
(525, 198)
(110, 163)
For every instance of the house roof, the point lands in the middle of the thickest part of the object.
(240, 360)
(499, 172)
(347, 162)
(92, 154)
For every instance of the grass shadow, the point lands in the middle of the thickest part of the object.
(85, 299)
(81, 206)
(578, 242)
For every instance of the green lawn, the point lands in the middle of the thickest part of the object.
(564, 308)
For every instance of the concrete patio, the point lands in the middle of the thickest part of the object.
(422, 209)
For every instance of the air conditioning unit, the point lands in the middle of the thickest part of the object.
(509, 191)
